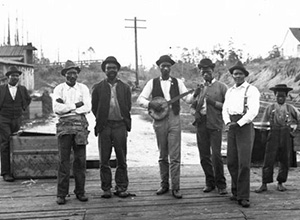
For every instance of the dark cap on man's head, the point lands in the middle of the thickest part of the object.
(205, 63)
(11, 70)
(165, 58)
(70, 65)
(281, 88)
(238, 65)
(110, 59)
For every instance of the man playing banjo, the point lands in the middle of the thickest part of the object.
(166, 92)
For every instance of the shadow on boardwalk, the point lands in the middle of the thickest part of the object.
(35, 199)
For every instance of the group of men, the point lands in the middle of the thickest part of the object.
(212, 104)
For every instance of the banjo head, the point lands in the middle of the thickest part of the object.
(161, 114)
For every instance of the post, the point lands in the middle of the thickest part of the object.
(136, 55)
(136, 49)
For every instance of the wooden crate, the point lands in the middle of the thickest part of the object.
(34, 156)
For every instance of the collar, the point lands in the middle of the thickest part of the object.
(10, 86)
(212, 81)
(161, 79)
(244, 85)
(69, 87)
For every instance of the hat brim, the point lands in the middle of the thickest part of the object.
(239, 68)
(11, 72)
(63, 72)
(276, 89)
(158, 62)
(106, 62)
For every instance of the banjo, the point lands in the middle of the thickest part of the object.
(159, 115)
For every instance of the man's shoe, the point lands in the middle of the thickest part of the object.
(244, 203)
(106, 194)
(8, 178)
(61, 200)
(261, 189)
(208, 189)
(162, 190)
(281, 188)
(222, 191)
(177, 194)
(82, 198)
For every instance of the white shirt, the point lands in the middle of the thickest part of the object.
(234, 103)
(13, 91)
(144, 98)
(71, 95)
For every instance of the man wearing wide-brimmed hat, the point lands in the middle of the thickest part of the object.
(111, 105)
(283, 118)
(241, 106)
(207, 110)
(167, 129)
(71, 102)
(14, 99)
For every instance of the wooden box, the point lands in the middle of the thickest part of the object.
(34, 155)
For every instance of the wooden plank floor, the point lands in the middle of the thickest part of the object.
(35, 199)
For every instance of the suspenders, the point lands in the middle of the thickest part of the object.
(245, 101)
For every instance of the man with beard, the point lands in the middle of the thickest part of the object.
(111, 105)
(14, 99)
(241, 106)
(167, 129)
(283, 119)
(207, 110)
(71, 102)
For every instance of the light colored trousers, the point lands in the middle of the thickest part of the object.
(168, 135)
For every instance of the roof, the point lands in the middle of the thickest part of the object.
(296, 33)
(15, 51)
(10, 62)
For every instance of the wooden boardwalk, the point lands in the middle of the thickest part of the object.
(35, 199)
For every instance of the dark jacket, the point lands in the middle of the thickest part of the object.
(26, 99)
(101, 101)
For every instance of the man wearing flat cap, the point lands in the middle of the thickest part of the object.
(207, 109)
(71, 102)
(111, 105)
(283, 118)
(14, 99)
(167, 129)
(241, 106)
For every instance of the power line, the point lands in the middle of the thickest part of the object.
(136, 49)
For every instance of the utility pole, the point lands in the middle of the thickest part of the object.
(136, 48)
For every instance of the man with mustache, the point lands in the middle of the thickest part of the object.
(241, 106)
(71, 102)
(111, 105)
(14, 99)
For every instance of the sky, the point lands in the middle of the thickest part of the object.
(65, 29)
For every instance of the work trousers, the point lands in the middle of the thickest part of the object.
(209, 143)
(65, 144)
(279, 145)
(7, 128)
(168, 135)
(114, 135)
(239, 151)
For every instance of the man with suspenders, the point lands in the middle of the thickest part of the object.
(241, 106)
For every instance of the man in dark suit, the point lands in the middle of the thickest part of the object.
(111, 105)
(14, 99)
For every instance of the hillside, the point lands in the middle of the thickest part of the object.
(266, 74)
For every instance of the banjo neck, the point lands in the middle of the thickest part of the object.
(179, 96)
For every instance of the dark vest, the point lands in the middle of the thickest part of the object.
(12, 108)
(174, 91)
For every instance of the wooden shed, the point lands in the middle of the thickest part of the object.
(27, 77)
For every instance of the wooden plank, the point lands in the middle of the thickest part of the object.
(36, 200)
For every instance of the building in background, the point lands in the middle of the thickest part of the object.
(22, 57)
(291, 44)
